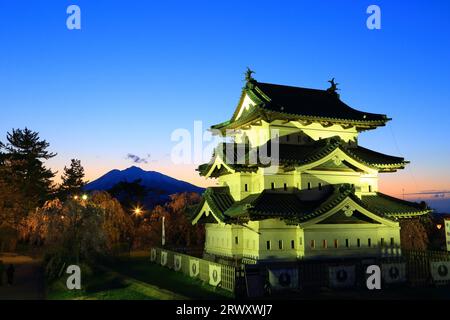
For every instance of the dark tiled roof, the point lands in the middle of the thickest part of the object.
(390, 206)
(311, 102)
(295, 207)
(292, 154)
(375, 158)
(275, 101)
(219, 200)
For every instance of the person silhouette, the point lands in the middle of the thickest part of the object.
(10, 274)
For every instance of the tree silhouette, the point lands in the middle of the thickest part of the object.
(24, 154)
(72, 180)
(129, 194)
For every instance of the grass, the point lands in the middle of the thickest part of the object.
(135, 278)
(143, 270)
(101, 286)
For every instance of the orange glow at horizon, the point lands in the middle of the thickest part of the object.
(400, 184)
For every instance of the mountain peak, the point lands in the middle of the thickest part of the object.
(133, 168)
(152, 180)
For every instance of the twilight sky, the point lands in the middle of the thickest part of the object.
(138, 70)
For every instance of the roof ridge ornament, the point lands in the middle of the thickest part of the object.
(333, 88)
(248, 75)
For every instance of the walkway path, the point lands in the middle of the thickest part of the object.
(149, 290)
(28, 280)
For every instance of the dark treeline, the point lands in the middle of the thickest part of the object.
(69, 226)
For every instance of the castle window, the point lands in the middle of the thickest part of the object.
(309, 185)
(347, 243)
(370, 188)
(392, 242)
(313, 244)
(268, 245)
(300, 242)
(272, 185)
(285, 187)
(287, 138)
(358, 243)
(320, 186)
(280, 244)
(369, 242)
(382, 242)
(246, 187)
(236, 240)
(292, 244)
(299, 138)
(336, 243)
(325, 244)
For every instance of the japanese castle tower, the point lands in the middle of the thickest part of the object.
(317, 198)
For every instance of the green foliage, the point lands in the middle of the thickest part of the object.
(23, 155)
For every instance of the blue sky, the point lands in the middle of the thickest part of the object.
(137, 70)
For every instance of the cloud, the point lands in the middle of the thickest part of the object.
(435, 193)
(137, 159)
(439, 195)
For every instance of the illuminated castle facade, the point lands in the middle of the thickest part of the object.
(316, 197)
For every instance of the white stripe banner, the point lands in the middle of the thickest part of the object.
(153, 255)
(393, 272)
(440, 270)
(283, 278)
(341, 276)
(163, 258)
(214, 274)
(194, 268)
(177, 262)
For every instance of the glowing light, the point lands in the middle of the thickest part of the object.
(439, 226)
(84, 197)
(75, 197)
(138, 211)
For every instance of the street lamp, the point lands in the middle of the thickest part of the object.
(84, 197)
(138, 211)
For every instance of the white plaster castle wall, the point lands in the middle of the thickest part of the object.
(252, 241)
(342, 233)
